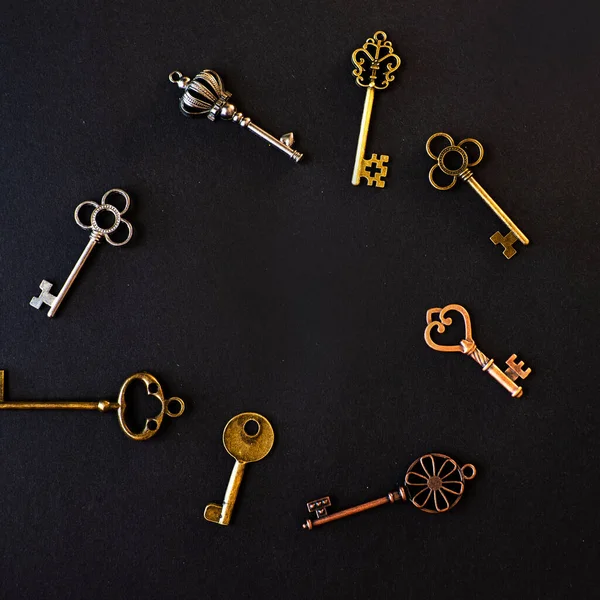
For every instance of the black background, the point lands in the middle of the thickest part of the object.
(257, 284)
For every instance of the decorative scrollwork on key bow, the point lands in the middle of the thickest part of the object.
(99, 232)
(465, 345)
(463, 170)
(378, 52)
(435, 482)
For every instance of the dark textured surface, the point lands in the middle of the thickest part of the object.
(256, 284)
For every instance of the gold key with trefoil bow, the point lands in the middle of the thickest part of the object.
(434, 483)
(170, 407)
(374, 63)
(506, 379)
(464, 172)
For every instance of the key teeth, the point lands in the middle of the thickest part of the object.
(319, 507)
(45, 297)
(378, 162)
(507, 242)
(515, 369)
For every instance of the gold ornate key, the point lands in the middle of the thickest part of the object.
(375, 54)
(466, 174)
(248, 437)
(433, 483)
(467, 346)
(172, 407)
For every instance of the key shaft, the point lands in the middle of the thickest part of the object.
(221, 513)
(362, 136)
(498, 211)
(94, 238)
(279, 144)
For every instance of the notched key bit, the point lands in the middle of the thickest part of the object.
(506, 379)
(375, 54)
(205, 94)
(507, 241)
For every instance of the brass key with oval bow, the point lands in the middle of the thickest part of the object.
(171, 407)
(463, 171)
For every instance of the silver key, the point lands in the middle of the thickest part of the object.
(96, 235)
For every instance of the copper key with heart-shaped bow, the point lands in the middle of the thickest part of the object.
(467, 346)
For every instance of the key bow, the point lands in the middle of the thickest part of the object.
(463, 170)
(466, 345)
(379, 52)
(98, 231)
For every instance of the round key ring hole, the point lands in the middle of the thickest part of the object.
(446, 168)
(469, 471)
(252, 428)
(175, 76)
(102, 208)
(152, 424)
(174, 407)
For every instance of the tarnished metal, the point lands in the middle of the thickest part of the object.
(245, 446)
(466, 174)
(433, 483)
(467, 346)
(205, 95)
(375, 54)
(172, 407)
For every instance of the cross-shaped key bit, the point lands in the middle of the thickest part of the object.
(376, 53)
(466, 174)
(45, 297)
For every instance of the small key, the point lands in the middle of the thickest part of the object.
(172, 407)
(433, 483)
(507, 241)
(377, 53)
(205, 94)
(245, 445)
(96, 236)
(467, 346)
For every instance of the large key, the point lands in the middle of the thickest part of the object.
(205, 94)
(96, 235)
(507, 379)
(248, 437)
(376, 53)
(172, 407)
(433, 483)
(466, 174)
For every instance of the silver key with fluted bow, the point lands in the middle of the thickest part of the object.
(96, 234)
(205, 95)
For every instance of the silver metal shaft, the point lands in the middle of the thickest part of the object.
(293, 154)
(73, 275)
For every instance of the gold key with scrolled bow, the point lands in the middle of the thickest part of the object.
(377, 56)
(515, 234)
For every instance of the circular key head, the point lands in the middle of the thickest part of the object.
(248, 437)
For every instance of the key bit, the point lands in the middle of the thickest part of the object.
(171, 407)
(506, 379)
(464, 172)
(205, 95)
(375, 54)
(434, 483)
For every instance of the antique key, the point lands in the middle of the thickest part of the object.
(172, 407)
(433, 483)
(466, 174)
(205, 94)
(96, 236)
(467, 346)
(377, 53)
(245, 445)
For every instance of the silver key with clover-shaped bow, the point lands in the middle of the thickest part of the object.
(375, 54)
(96, 235)
(463, 171)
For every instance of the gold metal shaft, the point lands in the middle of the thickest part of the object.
(497, 210)
(102, 405)
(221, 514)
(362, 136)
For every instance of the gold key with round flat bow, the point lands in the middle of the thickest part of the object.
(377, 57)
(464, 172)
